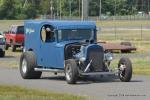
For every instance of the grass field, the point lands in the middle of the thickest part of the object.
(19, 93)
(5, 24)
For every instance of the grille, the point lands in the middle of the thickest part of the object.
(96, 55)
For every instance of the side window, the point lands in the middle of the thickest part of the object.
(10, 30)
(47, 33)
(20, 30)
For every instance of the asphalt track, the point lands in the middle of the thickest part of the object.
(99, 88)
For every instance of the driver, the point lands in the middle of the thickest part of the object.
(49, 35)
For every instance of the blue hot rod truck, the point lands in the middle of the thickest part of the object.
(69, 47)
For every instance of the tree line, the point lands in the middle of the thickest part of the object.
(28, 9)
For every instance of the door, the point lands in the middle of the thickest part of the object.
(48, 49)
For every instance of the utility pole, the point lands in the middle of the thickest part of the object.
(51, 8)
(115, 20)
(57, 8)
(100, 8)
(115, 9)
(70, 2)
(85, 9)
(148, 7)
(142, 6)
(60, 9)
(79, 8)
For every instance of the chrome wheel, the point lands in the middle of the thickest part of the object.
(71, 71)
(68, 72)
(122, 70)
(24, 66)
(125, 69)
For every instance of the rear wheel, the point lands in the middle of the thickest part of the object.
(13, 48)
(2, 53)
(6, 46)
(125, 69)
(71, 71)
(27, 65)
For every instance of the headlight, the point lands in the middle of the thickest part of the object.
(82, 59)
(108, 56)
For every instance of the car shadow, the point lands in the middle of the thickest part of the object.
(89, 79)
(56, 78)
(82, 80)
(136, 81)
(100, 79)
(62, 78)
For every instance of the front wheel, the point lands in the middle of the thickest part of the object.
(71, 71)
(125, 69)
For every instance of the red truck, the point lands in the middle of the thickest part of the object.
(15, 37)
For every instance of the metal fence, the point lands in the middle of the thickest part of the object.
(103, 17)
(126, 33)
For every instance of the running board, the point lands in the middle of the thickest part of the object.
(98, 73)
(49, 70)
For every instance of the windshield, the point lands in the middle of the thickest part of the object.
(75, 34)
(20, 30)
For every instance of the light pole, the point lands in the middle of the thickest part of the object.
(51, 8)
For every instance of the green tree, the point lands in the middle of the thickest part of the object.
(94, 7)
(8, 9)
(15, 9)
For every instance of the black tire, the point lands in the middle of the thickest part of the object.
(6, 46)
(125, 69)
(13, 48)
(72, 76)
(27, 65)
(2, 53)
